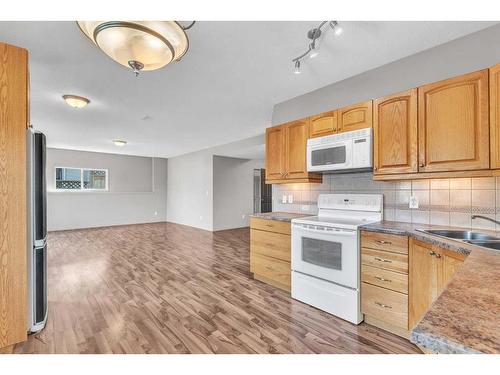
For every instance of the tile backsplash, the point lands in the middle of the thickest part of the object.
(441, 201)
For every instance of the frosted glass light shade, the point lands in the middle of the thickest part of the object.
(76, 101)
(154, 44)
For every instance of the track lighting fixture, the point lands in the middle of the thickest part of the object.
(314, 35)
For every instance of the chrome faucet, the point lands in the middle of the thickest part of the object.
(485, 218)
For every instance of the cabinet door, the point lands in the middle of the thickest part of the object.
(395, 133)
(423, 280)
(275, 153)
(495, 116)
(296, 149)
(13, 227)
(453, 126)
(450, 262)
(355, 117)
(323, 124)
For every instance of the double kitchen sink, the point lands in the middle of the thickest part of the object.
(474, 238)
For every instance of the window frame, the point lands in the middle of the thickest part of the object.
(82, 189)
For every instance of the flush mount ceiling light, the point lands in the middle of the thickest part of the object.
(139, 45)
(313, 49)
(119, 142)
(76, 101)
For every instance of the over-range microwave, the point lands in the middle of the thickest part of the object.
(344, 152)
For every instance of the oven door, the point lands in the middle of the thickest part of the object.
(329, 157)
(327, 253)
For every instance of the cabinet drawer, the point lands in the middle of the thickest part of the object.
(386, 279)
(386, 242)
(384, 259)
(274, 271)
(270, 225)
(271, 244)
(385, 305)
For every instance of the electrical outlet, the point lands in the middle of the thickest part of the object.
(283, 198)
(156, 213)
(243, 216)
(290, 198)
(413, 203)
(304, 207)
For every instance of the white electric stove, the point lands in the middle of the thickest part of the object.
(326, 253)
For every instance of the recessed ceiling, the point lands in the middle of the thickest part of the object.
(223, 90)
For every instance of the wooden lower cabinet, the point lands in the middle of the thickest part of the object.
(384, 286)
(385, 305)
(270, 252)
(431, 268)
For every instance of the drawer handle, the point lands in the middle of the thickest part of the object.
(269, 225)
(382, 242)
(383, 260)
(383, 305)
(382, 279)
(434, 254)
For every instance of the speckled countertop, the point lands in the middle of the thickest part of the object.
(466, 316)
(280, 216)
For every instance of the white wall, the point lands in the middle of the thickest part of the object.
(473, 52)
(137, 191)
(190, 190)
(233, 191)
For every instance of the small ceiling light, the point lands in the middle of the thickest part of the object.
(119, 142)
(139, 45)
(76, 101)
(297, 67)
(314, 50)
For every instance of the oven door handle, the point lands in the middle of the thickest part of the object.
(336, 232)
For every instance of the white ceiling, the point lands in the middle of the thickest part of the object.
(222, 91)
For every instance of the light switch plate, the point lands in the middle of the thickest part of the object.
(413, 203)
(290, 198)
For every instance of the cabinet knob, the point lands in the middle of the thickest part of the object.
(382, 279)
(382, 242)
(382, 260)
(422, 165)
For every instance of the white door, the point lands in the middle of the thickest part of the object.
(327, 253)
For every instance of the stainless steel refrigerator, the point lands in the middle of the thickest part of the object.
(37, 232)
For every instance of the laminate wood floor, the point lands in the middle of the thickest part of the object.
(168, 288)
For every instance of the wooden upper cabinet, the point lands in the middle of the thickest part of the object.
(453, 126)
(495, 116)
(275, 153)
(296, 149)
(286, 153)
(431, 268)
(395, 133)
(13, 222)
(355, 117)
(323, 124)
